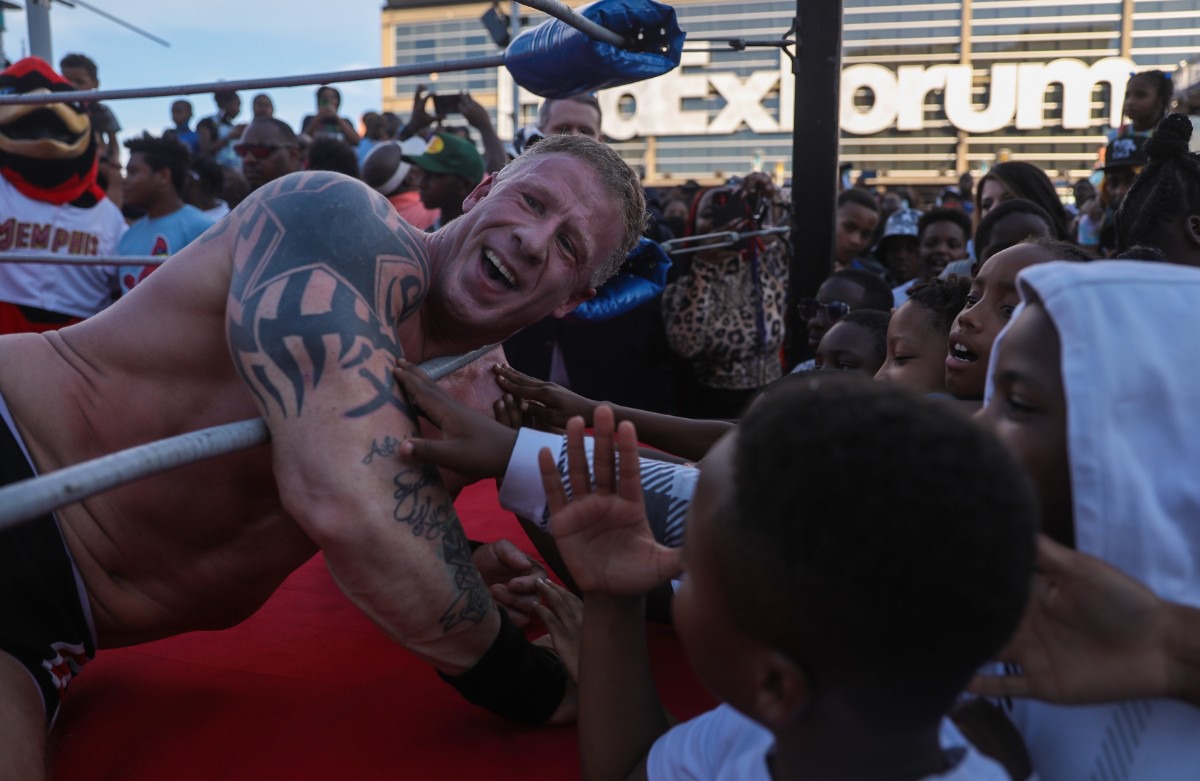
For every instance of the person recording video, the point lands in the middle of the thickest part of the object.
(725, 313)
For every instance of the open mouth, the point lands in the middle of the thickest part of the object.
(959, 352)
(498, 271)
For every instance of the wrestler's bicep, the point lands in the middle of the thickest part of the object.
(306, 344)
(314, 304)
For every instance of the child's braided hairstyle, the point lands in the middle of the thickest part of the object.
(1165, 191)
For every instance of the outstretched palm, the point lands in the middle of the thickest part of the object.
(602, 532)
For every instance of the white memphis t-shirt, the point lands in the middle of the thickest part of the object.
(30, 226)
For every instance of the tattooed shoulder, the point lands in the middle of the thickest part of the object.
(324, 270)
(326, 220)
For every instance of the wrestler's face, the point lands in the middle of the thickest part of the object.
(527, 246)
(1028, 412)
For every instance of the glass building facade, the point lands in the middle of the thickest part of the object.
(930, 88)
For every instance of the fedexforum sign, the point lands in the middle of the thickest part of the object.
(890, 99)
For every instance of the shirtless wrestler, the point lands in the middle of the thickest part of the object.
(294, 308)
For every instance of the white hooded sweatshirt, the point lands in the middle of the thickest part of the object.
(1130, 335)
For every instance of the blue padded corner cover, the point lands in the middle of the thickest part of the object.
(555, 60)
(642, 277)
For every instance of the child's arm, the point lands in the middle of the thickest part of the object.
(550, 405)
(606, 541)
(1093, 634)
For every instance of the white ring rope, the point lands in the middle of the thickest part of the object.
(26, 499)
(83, 260)
(551, 7)
(366, 74)
(581, 23)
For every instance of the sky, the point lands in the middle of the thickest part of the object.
(212, 40)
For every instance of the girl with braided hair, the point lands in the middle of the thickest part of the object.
(1162, 207)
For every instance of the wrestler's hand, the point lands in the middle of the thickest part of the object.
(602, 533)
(562, 613)
(544, 405)
(511, 576)
(472, 444)
(1090, 634)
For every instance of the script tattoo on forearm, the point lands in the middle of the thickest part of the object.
(389, 447)
(436, 522)
(366, 275)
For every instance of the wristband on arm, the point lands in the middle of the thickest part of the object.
(515, 679)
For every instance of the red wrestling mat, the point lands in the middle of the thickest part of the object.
(308, 688)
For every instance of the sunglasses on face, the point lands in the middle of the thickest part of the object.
(258, 150)
(834, 310)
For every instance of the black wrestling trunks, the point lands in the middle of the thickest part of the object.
(42, 623)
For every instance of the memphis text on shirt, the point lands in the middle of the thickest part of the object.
(15, 234)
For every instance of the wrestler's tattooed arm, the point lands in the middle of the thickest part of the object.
(324, 273)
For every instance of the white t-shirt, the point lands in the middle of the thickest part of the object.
(724, 745)
(27, 225)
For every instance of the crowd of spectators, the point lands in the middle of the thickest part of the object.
(919, 290)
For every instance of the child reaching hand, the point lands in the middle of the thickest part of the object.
(836, 625)
(545, 405)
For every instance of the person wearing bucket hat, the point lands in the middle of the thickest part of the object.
(897, 247)
(451, 167)
(385, 170)
(1123, 158)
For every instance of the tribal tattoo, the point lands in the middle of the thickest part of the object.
(343, 249)
(318, 288)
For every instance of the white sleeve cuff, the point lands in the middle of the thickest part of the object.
(522, 491)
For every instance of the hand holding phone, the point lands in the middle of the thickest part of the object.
(445, 105)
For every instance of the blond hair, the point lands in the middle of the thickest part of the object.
(618, 178)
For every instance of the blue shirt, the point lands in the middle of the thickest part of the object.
(188, 137)
(159, 236)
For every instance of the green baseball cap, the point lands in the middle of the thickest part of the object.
(448, 153)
